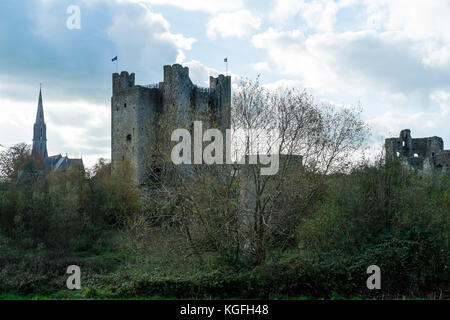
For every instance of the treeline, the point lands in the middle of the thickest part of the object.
(228, 231)
(62, 211)
(377, 214)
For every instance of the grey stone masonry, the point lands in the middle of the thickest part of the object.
(134, 106)
(421, 154)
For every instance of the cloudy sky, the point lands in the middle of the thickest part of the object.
(392, 57)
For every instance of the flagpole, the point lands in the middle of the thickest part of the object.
(226, 63)
(116, 60)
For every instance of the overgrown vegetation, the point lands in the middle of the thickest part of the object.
(310, 231)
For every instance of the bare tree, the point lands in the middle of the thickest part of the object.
(234, 209)
(200, 201)
(312, 141)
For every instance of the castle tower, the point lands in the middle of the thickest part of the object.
(40, 130)
(221, 89)
(133, 108)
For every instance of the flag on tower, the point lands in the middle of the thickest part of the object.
(117, 63)
(226, 62)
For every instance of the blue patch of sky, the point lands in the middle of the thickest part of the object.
(351, 18)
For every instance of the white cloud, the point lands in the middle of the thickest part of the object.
(199, 74)
(354, 62)
(422, 21)
(285, 9)
(283, 83)
(400, 73)
(78, 128)
(426, 22)
(289, 52)
(419, 19)
(261, 66)
(443, 99)
(233, 24)
(318, 15)
(210, 6)
(142, 35)
(398, 117)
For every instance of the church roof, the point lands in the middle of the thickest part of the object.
(59, 162)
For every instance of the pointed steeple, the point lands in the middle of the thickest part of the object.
(40, 110)
(40, 130)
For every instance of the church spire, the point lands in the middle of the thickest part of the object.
(40, 130)
(40, 111)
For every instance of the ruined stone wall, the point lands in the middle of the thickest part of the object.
(420, 153)
(442, 159)
(200, 102)
(149, 106)
(134, 109)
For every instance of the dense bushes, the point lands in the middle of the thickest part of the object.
(387, 216)
(65, 211)
(376, 214)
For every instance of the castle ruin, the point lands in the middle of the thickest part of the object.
(134, 106)
(422, 154)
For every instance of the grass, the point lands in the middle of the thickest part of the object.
(64, 295)
(78, 295)
(161, 275)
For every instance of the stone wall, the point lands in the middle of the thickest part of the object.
(134, 107)
(420, 154)
(124, 120)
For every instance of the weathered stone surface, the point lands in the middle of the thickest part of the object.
(423, 154)
(133, 107)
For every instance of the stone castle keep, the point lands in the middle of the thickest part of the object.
(421, 154)
(133, 107)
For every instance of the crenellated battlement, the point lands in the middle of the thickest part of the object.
(122, 81)
(133, 106)
(176, 72)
